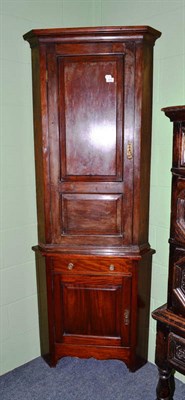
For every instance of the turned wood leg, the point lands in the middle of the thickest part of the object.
(166, 385)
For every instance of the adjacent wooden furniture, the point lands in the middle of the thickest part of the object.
(92, 100)
(170, 342)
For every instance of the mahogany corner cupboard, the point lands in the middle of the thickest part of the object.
(92, 102)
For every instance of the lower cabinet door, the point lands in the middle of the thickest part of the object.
(92, 309)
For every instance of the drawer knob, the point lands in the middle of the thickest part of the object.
(111, 267)
(70, 266)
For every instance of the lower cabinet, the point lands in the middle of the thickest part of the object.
(97, 307)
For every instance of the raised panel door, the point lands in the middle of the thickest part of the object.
(91, 117)
(91, 169)
(92, 309)
(82, 213)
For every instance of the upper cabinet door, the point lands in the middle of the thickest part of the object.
(91, 108)
(91, 123)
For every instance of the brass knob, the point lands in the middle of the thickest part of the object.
(111, 267)
(70, 266)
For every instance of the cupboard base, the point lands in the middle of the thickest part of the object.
(98, 352)
(114, 324)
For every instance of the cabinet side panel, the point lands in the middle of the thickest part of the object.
(142, 152)
(143, 307)
(42, 303)
(146, 142)
(40, 141)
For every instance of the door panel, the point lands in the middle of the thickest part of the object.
(82, 214)
(92, 307)
(91, 117)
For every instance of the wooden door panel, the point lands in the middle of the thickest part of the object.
(91, 117)
(93, 306)
(82, 213)
(84, 92)
(91, 310)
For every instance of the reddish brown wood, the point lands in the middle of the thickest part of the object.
(80, 213)
(170, 341)
(96, 119)
(92, 110)
(86, 304)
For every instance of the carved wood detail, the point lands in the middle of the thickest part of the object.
(176, 350)
(171, 317)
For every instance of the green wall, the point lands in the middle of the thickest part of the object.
(19, 336)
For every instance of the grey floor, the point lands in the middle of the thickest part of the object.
(80, 379)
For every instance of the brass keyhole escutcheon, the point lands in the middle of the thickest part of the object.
(126, 317)
(129, 150)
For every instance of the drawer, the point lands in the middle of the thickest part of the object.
(176, 351)
(92, 264)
